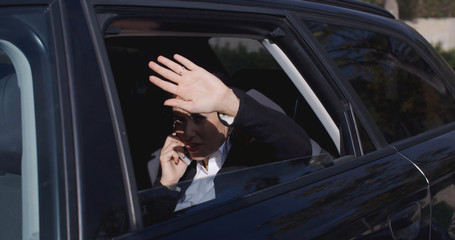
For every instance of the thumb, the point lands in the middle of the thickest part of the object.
(179, 103)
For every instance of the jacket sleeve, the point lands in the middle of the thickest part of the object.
(273, 128)
(158, 204)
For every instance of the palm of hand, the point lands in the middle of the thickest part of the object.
(199, 92)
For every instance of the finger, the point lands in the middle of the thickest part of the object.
(167, 152)
(164, 72)
(175, 156)
(180, 150)
(179, 103)
(170, 148)
(187, 63)
(177, 68)
(166, 86)
(167, 156)
(173, 142)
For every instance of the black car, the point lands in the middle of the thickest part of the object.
(81, 125)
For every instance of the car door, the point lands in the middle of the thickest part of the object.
(351, 192)
(433, 149)
(408, 91)
(434, 154)
(29, 123)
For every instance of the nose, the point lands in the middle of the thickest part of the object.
(190, 130)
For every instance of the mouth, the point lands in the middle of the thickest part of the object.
(193, 147)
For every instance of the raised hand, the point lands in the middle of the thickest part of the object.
(197, 90)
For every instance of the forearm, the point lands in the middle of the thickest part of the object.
(281, 133)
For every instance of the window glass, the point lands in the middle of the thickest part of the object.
(241, 53)
(241, 62)
(247, 65)
(367, 144)
(401, 91)
(10, 151)
(159, 204)
(26, 78)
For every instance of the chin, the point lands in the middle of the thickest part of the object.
(198, 158)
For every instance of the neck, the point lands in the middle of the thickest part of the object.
(206, 164)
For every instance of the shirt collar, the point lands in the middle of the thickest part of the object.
(216, 159)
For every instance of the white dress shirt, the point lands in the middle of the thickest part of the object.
(202, 188)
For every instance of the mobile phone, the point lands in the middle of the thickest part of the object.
(185, 157)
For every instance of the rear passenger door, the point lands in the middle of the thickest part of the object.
(404, 88)
(355, 192)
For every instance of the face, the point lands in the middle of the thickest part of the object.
(202, 134)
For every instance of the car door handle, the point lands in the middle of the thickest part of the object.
(405, 223)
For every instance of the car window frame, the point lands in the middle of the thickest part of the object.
(103, 59)
(87, 95)
(279, 21)
(30, 193)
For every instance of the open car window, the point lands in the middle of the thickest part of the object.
(237, 53)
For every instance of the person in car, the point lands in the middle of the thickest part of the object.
(218, 129)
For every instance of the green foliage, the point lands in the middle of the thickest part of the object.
(449, 55)
(375, 2)
(4, 58)
(410, 9)
(238, 57)
(436, 8)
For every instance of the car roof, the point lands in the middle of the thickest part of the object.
(348, 4)
(285, 4)
(357, 5)
(289, 4)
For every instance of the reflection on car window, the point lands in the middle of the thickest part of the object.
(158, 203)
(25, 63)
(10, 151)
(400, 90)
(241, 53)
(365, 140)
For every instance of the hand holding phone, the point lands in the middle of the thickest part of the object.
(173, 161)
(185, 158)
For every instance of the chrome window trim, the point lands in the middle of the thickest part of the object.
(29, 161)
(306, 91)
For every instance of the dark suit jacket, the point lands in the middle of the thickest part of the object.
(261, 135)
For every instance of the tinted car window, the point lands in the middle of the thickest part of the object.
(29, 126)
(10, 151)
(27, 123)
(241, 53)
(401, 91)
(229, 186)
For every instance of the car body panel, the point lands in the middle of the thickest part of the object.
(435, 158)
(95, 193)
(315, 208)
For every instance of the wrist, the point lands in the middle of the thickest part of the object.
(230, 104)
(169, 184)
